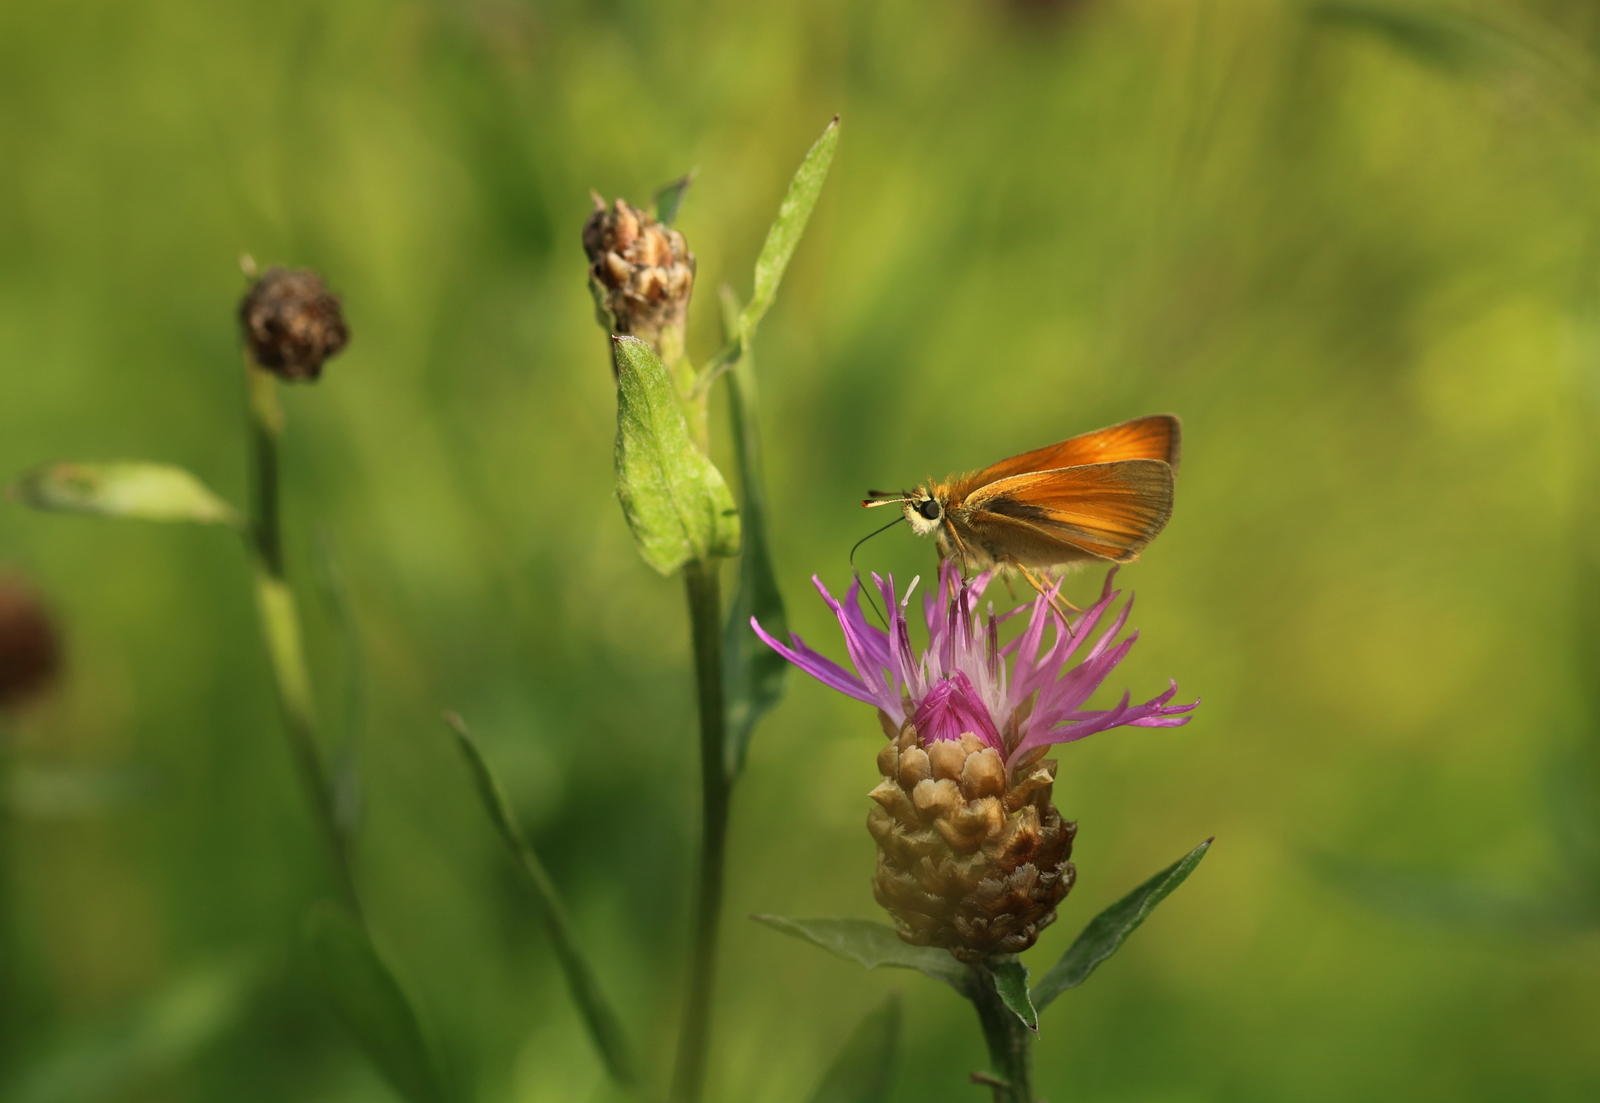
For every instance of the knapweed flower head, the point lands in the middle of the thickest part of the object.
(292, 323)
(641, 274)
(972, 854)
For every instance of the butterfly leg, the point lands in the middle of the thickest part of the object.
(956, 549)
(1061, 604)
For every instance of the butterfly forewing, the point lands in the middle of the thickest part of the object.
(1048, 518)
(1144, 438)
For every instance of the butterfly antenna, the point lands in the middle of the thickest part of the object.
(871, 534)
(868, 589)
(873, 602)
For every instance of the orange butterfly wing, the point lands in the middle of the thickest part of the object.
(1049, 518)
(1144, 438)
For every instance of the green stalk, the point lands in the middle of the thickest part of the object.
(1010, 1043)
(605, 1028)
(280, 627)
(694, 1039)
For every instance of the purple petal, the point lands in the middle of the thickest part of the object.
(819, 666)
(865, 643)
(953, 708)
(1154, 713)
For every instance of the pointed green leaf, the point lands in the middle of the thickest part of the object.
(753, 673)
(864, 1071)
(142, 491)
(605, 1028)
(674, 497)
(1106, 931)
(669, 197)
(371, 1004)
(1011, 982)
(872, 945)
(784, 235)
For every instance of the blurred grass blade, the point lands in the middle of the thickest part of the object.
(675, 499)
(1574, 808)
(873, 945)
(1011, 983)
(140, 491)
(1470, 44)
(669, 197)
(864, 1071)
(110, 1060)
(61, 791)
(371, 1004)
(1441, 37)
(753, 673)
(605, 1028)
(333, 587)
(1106, 931)
(1463, 905)
(784, 235)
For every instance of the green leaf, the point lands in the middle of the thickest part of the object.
(674, 497)
(669, 197)
(143, 491)
(864, 1071)
(872, 945)
(605, 1028)
(753, 674)
(1011, 982)
(371, 1005)
(784, 235)
(1106, 931)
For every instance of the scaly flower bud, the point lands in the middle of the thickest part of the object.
(641, 274)
(967, 860)
(30, 655)
(972, 854)
(292, 323)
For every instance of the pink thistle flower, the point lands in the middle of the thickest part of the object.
(1016, 698)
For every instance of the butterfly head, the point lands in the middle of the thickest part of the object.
(924, 512)
(923, 507)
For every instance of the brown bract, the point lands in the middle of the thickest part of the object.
(30, 654)
(968, 859)
(292, 323)
(641, 272)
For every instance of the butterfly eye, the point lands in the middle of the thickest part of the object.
(929, 509)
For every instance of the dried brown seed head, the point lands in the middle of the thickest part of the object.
(292, 323)
(30, 652)
(641, 273)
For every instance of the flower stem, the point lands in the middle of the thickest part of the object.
(1010, 1043)
(694, 1039)
(280, 626)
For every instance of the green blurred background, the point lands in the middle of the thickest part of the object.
(1354, 246)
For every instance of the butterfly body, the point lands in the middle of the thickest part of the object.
(1098, 497)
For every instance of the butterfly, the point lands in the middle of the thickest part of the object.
(1098, 497)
